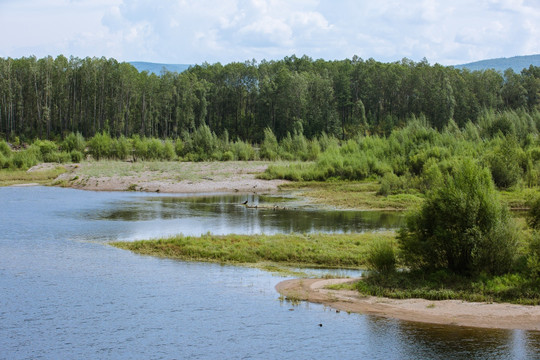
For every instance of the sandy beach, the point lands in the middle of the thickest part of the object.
(169, 177)
(448, 312)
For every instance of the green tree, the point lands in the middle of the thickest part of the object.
(462, 226)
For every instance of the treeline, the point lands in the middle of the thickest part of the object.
(417, 157)
(49, 98)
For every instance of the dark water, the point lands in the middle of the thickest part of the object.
(65, 294)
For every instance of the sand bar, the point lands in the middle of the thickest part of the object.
(447, 312)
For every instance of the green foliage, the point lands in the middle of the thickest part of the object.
(5, 149)
(445, 285)
(392, 184)
(269, 147)
(46, 147)
(169, 152)
(4, 161)
(341, 98)
(242, 151)
(27, 158)
(461, 227)
(381, 257)
(204, 144)
(533, 215)
(179, 147)
(76, 156)
(121, 148)
(533, 257)
(100, 145)
(140, 148)
(504, 163)
(154, 149)
(74, 142)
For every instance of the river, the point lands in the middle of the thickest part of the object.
(66, 294)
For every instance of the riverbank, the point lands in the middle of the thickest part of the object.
(445, 312)
(170, 177)
(222, 177)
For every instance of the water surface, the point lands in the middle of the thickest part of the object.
(64, 293)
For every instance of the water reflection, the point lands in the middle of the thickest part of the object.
(227, 214)
(414, 340)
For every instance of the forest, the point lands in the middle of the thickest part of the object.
(49, 98)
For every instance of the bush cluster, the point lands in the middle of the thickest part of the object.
(462, 227)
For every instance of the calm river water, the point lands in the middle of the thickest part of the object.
(66, 294)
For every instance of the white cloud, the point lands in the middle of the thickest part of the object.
(236, 30)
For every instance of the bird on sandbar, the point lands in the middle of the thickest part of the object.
(245, 202)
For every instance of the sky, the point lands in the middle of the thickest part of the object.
(447, 32)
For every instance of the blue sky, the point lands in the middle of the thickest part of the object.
(191, 32)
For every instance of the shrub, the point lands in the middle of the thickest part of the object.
(4, 148)
(381, 257)
(74, 142)
(100, 145)
(168, 150)
(121, 148)
(242, 151)
(461, 226)
(269, 147)
(46, 148)
(179, 147)
(4, 161)
(533, 258)
(204, 142)
(504, 163)
(76, 156)
(227, 156)
(314, 150)
(391, 184)
(139, 148)
(27, 158)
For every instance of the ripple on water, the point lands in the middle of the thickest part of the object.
(63, 294)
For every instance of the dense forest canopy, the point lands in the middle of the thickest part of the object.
(50, 98)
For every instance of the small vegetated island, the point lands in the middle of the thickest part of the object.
(458, 149)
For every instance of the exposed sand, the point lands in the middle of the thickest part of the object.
(449, 312)
(226, 177)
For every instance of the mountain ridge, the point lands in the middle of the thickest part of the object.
(516, 63)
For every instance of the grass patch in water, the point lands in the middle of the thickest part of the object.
(354, 195)
(301, 250)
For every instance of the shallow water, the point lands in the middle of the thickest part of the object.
(64, 293)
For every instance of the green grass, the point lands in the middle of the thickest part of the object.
(517, 198)
(354, 195)
(14, 177)
(302, 250)
(513, 288)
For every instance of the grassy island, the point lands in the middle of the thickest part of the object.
(303, 250)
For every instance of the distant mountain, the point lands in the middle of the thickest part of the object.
(517, 63)
(157, 68)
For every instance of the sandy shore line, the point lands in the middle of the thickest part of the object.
(171, 177)
(447, 312)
